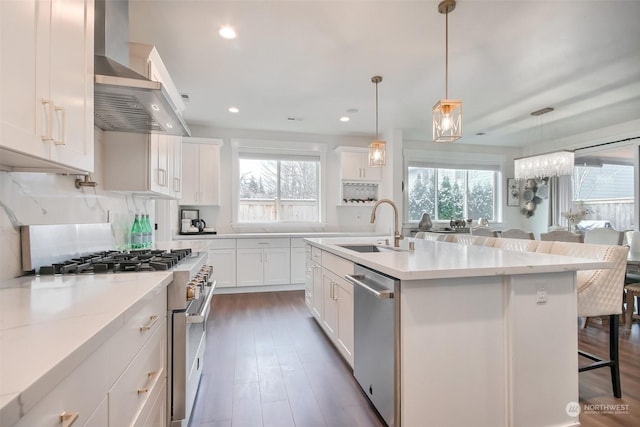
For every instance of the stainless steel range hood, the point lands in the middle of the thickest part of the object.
(125, 100)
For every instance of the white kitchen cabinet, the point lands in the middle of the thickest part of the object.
(344, 334)
(308, 284)
(46, 107)
(263, 261)
(175, 189)
(316, 288)
(156, 415)
(79, 394)
(298, 256)
(354, 165)
(201, 171)
(118, 383)
(222, 256)
(331, 298)
(337, 314)
(133, 392)
(330, 303)
(142, 164)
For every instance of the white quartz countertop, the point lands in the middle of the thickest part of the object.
(49, 324)
(437, 260)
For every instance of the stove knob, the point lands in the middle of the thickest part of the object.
(191, 292)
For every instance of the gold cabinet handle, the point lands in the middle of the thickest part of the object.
(146, 389)
(149, 325)
(68, 418)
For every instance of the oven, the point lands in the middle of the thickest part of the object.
(188, 304)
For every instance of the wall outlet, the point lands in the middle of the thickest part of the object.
(541, 295)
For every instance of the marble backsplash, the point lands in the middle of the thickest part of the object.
(38, 198)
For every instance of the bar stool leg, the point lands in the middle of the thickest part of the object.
(628, 313)
(614, 355)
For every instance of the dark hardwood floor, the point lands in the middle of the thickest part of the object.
(268, 363)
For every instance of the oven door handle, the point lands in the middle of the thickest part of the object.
(200, 317)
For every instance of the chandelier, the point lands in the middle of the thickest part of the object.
(556, 163)
(447, 113)
(377, 149)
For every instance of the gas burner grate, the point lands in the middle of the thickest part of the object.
(117, 261)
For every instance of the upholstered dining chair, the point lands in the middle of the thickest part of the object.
(632, 293)
(517, 233)
(600, 294)
(484, 231)
(561, 236)
(604, 236)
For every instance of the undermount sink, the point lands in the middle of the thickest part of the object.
(371, 248)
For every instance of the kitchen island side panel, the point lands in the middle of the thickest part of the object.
(453, 352)
(543, 347)
(484, 351)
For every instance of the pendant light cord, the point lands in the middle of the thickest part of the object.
(376, 111)
(446, 56)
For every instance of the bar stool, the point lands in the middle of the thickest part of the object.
(632, 291)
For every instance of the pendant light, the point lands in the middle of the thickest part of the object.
(447, 113)
(377, 149)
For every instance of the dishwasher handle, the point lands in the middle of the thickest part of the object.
(358, 279)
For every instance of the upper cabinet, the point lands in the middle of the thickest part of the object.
(144, 164)
(200, 171)
(354, 165)
(46, 107)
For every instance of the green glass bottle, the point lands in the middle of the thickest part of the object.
(136, 233)
(148, 232)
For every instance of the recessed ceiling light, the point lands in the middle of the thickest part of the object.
(227, 32)
(169, 125)
(155, 107)
(344, 119)
(234, 110)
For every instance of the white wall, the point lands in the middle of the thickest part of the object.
(338, 218)
(35, 198)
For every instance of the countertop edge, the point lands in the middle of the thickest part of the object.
(385, 262)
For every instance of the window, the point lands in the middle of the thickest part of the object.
(278, 188)
(447, 194)
(607, 192)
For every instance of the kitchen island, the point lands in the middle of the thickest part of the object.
(487, 337)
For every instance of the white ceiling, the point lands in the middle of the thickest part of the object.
(314, 60)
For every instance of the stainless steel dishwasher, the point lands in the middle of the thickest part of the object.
(376, 346)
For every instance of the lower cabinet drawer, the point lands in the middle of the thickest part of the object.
(77, 396)
(133, 391)
(139, 326)
(155, 413)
